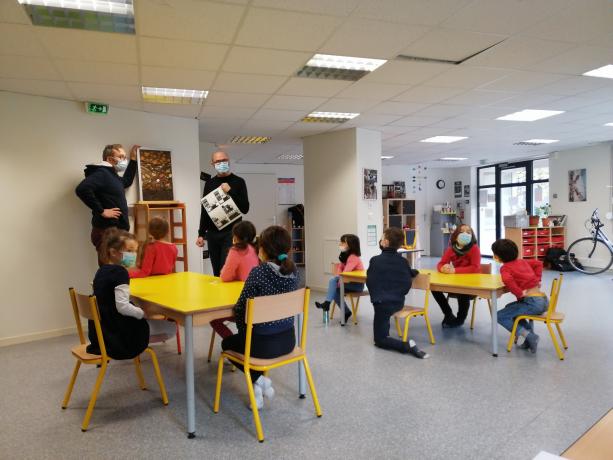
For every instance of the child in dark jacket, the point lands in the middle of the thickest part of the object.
(389, 278)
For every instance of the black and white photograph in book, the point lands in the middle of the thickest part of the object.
(370, 184)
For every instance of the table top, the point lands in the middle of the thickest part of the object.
(187, 292)
(458, 280)
(596, 443)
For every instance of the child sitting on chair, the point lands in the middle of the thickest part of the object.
(389, 278)
(523, 278)
(349, 259)
(159, 256)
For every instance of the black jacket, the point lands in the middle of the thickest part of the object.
(389, 278)
(238, 192)
(103, 189)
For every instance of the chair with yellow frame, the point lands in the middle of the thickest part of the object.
(421, 281)
(551, 316)
(486, 269)
(354, 299)
(87, 307)
(261, 310)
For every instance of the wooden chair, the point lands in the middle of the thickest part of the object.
(551, 316)
(486, 269)
(410, 239)
(262, 310)
(354, 299)
(421, 281)
(87, 307)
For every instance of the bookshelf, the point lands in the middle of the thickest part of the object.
(399, 212)
(533, 242)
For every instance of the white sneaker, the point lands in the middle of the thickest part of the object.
(259, 399)
(266, 385)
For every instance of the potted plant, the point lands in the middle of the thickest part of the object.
(544, 211)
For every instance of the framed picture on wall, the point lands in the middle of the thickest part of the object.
(370, 184)
(577, 185)
(457, 189)
(155, 175)
(466, 191)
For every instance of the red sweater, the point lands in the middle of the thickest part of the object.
(521, 274)
(468, 263)
(159, 259)
(239, 264)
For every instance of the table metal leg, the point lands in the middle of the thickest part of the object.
(189, 376)
(301, 374)
(341, 307)
(494, 304)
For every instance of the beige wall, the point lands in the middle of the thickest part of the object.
(45, 246)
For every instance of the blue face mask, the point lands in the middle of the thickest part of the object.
(222, 167)
(128, 259)
(464, 238)
(122, 165)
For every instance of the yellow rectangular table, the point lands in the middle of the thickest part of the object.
(191, 299)
(482, 285)
(596, 443)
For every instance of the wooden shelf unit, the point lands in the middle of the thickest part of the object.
(298, 249)
(174, 212)
(533, 242)
(399, 212)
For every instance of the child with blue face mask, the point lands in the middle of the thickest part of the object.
(125, 331)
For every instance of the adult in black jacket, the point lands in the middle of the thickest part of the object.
(389, 279)
(220, 241)
(103, 190)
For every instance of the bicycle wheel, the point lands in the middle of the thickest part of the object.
(594, 256)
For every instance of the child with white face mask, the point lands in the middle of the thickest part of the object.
(349, 260)
(462, 256)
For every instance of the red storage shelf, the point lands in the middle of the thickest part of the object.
(557, 238)
(542, 249)
(528, 251)
(528, 232)
(528, 241)
(558, 245)
(543, 232)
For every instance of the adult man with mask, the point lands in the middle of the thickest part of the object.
(103, 190)
(220, 241)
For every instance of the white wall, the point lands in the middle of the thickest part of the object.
(44, 146)
(598, 161)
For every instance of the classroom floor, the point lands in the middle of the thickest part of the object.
(460, 403)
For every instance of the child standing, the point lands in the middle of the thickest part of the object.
(276, 275)
(349, 260)
(241, 259)
(523, 278)
(159, 257)
(389, 278)
(125, 331)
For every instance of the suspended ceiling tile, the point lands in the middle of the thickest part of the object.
(373, 119)
(101, 93)
(264, 61)
(312, 87)
(427, 94)
(286, 30)
(398, 108)
(346, 105)
(333, 8)
(264, 127)
(467, 77)
(182, 54)
(279, 115)
(171, 77)
(226, 99)
(574, 85)
(428, 12)
(294, 102)
(188, 20)
(232, 113)
(177, 110)
(13, 12)
(34, 68)
(18, 39)
(48, 88)
(373, 91)
(372, 39)
(480, 97)
(243, 82)
(97, 72)
(401, 72)
(519, 81)
(576, 61)
(416, 120)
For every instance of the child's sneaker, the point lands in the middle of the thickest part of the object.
(266, 385)
(532, 340)
(413, 350)
(259, 399)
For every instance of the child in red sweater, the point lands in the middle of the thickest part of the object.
(159, 256)
(523, 279)
(462, 256)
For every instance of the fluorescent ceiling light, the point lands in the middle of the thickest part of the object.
(444, 139)
(602, 72)
(453, 159)
(541, 141)
(122, 7)
(608, 124)
(250, 140)
(329, 66)
(387, 157)
(173, 96)
(291, 156)
(530, 115)
(329, 117)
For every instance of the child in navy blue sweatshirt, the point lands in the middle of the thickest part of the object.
(389, 279)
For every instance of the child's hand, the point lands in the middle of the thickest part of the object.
(447, 269)
(524, 292)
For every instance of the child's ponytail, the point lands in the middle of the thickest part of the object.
(276, 243)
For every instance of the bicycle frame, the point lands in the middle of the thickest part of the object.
(597, 233)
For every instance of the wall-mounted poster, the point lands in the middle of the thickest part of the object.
(457, 189)
(466, 191)
(155, 175)
(286, 190)
(577, 185)
(370, 184)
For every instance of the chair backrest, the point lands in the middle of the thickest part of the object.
(554, 294)
(421, 281)
(486, 269)
(410, 238)
(86, 306)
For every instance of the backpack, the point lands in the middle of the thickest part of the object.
(559, 260)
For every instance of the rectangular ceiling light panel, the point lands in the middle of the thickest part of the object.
(98, 15)
(444, 139)
(530, 115)
(537, 141)
(387, 157)
(331, 67)
(452, 159)
(173, 96)
(291, 156)
(250, 140)
(329, 117)
(601, 72)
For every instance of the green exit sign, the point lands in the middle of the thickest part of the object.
(97, 108)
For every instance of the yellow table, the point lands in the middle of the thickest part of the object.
(594, 444)
(191, 299)
(485, 286)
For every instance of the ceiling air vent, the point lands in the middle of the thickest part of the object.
(404, 57)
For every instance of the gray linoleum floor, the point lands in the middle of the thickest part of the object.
(461, 403)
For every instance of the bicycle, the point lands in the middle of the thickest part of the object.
(593, 254)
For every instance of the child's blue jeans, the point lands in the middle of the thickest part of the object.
(334, 292)
(531, 305)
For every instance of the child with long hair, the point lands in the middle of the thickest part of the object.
(159, 256)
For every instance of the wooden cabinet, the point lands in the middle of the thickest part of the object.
(533, 242)
(398, 212)
(298, 248)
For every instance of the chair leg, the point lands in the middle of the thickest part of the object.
(398, 327)
(254, 406)
(158, 375)
(405, 334)
(332, 308)
(218, 385)
(429, 327)
(555, 342)
(309, 377)
(139, 373)
(354, 309)
(178, 339)
(92, 400)
(512, 336)
(564, 344)
(489, 307)
(208, 360)
(73, 379)
(472, 315)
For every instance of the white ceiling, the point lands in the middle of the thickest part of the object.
(246, 52)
